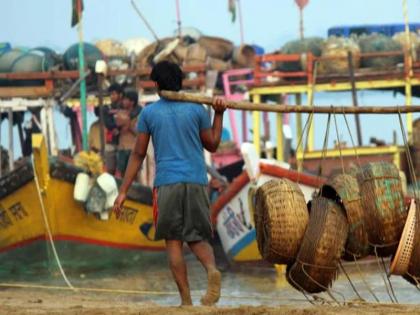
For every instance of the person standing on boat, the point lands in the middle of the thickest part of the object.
(126, 121)
(179, 133)
(116, 95)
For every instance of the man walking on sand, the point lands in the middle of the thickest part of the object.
(179, 133)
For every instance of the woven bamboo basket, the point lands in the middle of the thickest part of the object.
(413, 273)
(281, 217)
(382, 199)
(401, 260)
(316, 264)
(344, 189)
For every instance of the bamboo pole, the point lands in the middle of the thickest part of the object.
(256, 126)
(281, 108)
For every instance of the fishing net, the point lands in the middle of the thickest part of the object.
(312, 44)
(323, 244)
(339, 47)
(281, 217)
(377, 43)
(414, 45)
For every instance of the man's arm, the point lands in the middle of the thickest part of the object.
(134, 164)
(211, 137)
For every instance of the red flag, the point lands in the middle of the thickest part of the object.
(301, 3)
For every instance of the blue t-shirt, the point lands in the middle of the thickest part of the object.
(175, 130)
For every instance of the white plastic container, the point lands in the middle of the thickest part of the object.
(109, 185)
(82, 187)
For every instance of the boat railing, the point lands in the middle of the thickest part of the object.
(234, 78)
(195, 79)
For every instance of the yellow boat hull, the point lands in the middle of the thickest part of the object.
(33, 212)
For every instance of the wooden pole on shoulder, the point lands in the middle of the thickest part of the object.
(281, 108)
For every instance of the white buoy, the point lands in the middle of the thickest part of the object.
(81, 187)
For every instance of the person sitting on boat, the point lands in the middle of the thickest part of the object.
(126, 121)
(94, 138)
(179, 132)
(116, 95)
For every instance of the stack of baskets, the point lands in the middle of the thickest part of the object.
(348, 219)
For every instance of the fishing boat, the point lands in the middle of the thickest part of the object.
(37, 205)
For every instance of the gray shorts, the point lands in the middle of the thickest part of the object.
(182, 212)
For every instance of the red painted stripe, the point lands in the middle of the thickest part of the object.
(84, 240)
(233, 189)
(273, 170)
(305, 179)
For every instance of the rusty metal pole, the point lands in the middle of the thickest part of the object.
(354, 96)
(301, 27)
(101, 114)
(11, 157)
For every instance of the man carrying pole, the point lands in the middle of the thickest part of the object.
(179, 132)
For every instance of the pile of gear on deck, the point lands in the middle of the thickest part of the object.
(354, 214)
(215, 53)
(334, 50)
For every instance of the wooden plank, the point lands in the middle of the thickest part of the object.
(49, 75)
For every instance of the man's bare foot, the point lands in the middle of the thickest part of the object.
(213, 287)
(186, 299)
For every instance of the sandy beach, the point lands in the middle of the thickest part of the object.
(31, 301)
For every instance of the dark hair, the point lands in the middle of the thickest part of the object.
(132, 96)
(167, 75)
(115, 87)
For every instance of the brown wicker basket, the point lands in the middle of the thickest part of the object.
(281, 217)
(401, 260)
(382, 199)
(323, 244)
(413, 274)
(345, 189)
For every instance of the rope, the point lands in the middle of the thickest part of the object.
(324, 287)
(382, 275)
(352, 140)
(297, 285)
(409, 158)
(389, 281)
(339, 143)
(306, 129)
(351, 282)
(325, 145)
(47, 226)
(364, 280)
(145, 292)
